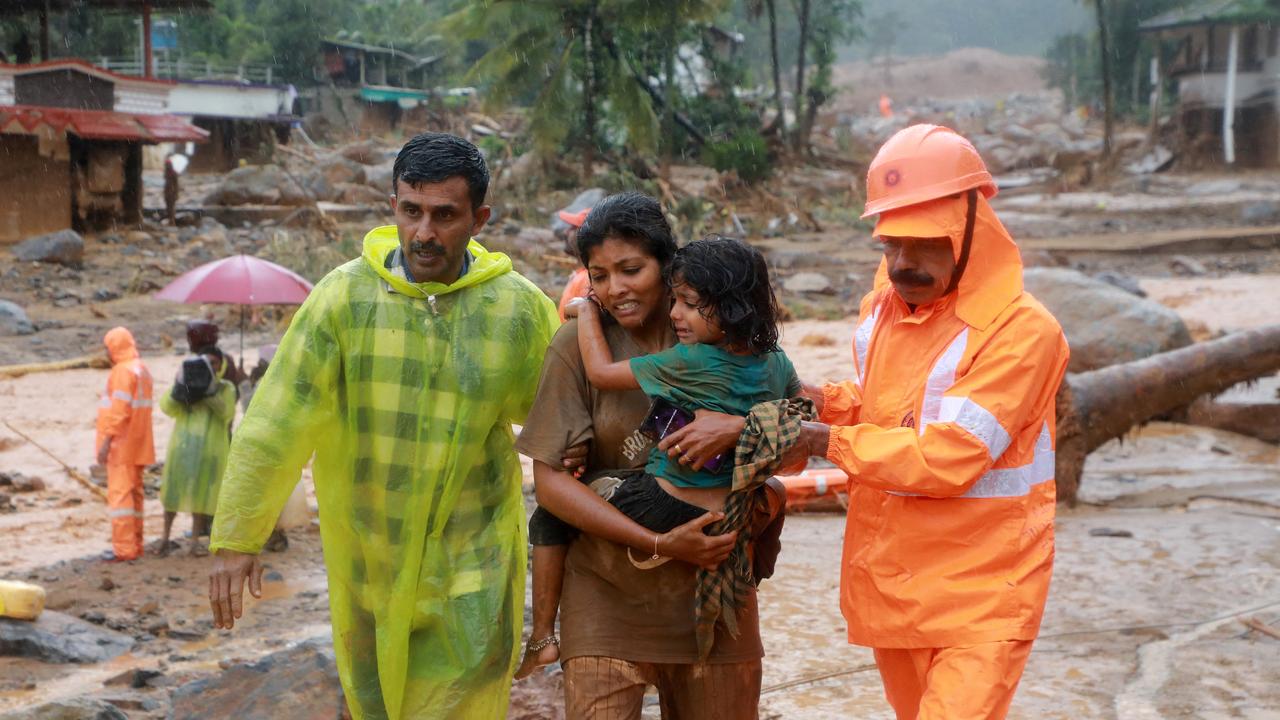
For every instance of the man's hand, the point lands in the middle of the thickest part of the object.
(813, 442)
(814, 393)
(226, 585)
(690, 544)
(575, 459)
(710, 434)
(104, 452)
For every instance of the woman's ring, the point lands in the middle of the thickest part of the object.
(678, 450)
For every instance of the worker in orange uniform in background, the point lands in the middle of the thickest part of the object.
(579, 284)
(947, 435)
(124, 442)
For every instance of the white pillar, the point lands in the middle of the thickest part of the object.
(1229, 101)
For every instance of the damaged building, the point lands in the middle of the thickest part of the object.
(71, 138)
(368, 87)
(1223, 57)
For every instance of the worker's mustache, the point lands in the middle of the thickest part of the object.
(417, 246)
(911, 278)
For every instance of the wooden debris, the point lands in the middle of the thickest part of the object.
(96, 360)
(1256, 624)
(75, 474)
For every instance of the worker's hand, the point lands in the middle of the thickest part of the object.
(226, 585)
(814, 393)
(575, 459)
(710, 434)
(813, 441)
(690, 544)
(104, 452)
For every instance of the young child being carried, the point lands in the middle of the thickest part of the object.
(727, 360)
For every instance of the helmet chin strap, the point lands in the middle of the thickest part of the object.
(970, 216)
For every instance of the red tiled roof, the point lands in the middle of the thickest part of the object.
(99, 124)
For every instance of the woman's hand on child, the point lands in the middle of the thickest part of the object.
(575, 459)
(690, 544)
(710, 434)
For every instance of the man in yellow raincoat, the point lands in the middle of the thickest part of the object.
(947, 434)
(403, 372)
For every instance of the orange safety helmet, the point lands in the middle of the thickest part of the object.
(922, 163)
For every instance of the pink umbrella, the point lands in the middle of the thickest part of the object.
(238, 280)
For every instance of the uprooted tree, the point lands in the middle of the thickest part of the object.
(1104, 404)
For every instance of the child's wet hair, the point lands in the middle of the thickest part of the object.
(732, 281)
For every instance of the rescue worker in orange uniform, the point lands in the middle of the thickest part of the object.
(579, 284)
(124, 442)
(947, 433)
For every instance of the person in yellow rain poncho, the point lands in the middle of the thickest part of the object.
(202, 411)
(403, 372)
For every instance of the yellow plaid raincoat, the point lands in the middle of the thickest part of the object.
(406, 394)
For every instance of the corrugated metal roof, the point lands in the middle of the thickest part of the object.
(99, 124)
(1215, 11)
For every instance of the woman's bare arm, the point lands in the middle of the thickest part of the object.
(602, 372)
(568, 499)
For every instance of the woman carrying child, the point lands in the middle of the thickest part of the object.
(624, 626)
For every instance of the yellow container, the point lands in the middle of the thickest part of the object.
(20, 600)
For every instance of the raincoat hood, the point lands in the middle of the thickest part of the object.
(120, 345)
(380, 242)
(993, 277)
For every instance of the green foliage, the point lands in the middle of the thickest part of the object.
(1074, 65)
(577, 64)
(746, 153)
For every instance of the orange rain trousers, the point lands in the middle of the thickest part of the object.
(124, 506)
(973, 682)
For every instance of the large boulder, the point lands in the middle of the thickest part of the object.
(60, 638)
(354, 194)
(300, 682)
(378, 176)
(73, 709)
(64, 247)
(1104, 324)
(257, 185)
(13, 320)
(338, 170)
(367, 152)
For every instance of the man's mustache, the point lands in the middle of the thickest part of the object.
(911, 278)
(416, 246)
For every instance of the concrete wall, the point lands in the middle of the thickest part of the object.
(230, 101)
(35, 191)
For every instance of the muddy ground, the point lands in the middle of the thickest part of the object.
(1175, 543)
(1140, 626)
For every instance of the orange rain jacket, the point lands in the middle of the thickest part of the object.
(124, 410)
(947, 434)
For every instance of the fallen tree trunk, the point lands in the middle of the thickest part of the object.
(1104, 404)
(97, 360)
(1259, 420)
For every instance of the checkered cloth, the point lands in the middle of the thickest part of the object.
(772, 429)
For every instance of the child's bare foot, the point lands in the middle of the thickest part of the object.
(197, 549)
(538, 653)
